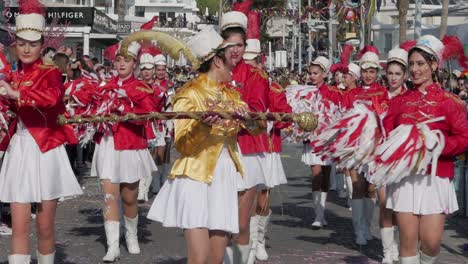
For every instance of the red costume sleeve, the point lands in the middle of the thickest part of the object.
(279, 103)
(456, 142)
(45, 93)
(257, 92)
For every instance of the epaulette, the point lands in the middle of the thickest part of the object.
(260, 72)
(276, 88)
(455, 98)
(46, 66)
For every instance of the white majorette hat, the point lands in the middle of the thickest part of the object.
(146, 61)
(354, 69)
(252, 50)
(206, 43)
(431, 45)
(30, 24)
(233, 19)
(369, 60)
(323, 62)
(160, 60)
(398, 55)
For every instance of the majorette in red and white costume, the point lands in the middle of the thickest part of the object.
(35, 168)
(146, 66)
(253, 85)
(426, 129)
(276, 175)
(163, 91)
(121, 155)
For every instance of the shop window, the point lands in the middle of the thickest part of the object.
(139, 11)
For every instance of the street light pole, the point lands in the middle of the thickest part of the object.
(310, 37)
(417, 19)
(299, 50)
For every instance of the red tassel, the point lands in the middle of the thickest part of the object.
(407, 45)
(243, 7)
(149, 25)
(109, 52)
(151, 49)
(253, 25)
(341, 67)
(454, 50)
(346, 54)
(368, 48)
(31, 7)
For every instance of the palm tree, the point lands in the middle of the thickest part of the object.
(403, 6)
(444, 17)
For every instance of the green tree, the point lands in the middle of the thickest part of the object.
(213, 6)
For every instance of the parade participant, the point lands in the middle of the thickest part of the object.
(146, 75)
(422, 202)
(121, 157)
(163, 91)
(396, 72)
(200, 195)
(318, 70)
(364, 196)
(35, 168)
(261, 213)
(253, 85)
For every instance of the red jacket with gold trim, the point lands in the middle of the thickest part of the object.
(375, 93)
(253, 85)
(39, 104)
(414, 107)
(277, 103)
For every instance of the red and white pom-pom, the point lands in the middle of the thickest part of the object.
(408, 150)
(351, 139)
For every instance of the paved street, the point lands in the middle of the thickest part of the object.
(80, 231)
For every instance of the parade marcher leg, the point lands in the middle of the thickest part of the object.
(263, 222)
(45, 259)
(254, 230)
(386, 234)
(349, 186)
(358, 221)
(131, 237)
(19, 259)
(128, 192)
(112, 235)
(396, 243)
(241, 253)
(410, 260)
(369, 204)
(426, 259)
(141, 190)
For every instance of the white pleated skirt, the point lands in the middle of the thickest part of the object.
(422, 195)
(30, 176)
(186, 203)
(276, 175)
(255, 171)
(309, 158)
(121, 166)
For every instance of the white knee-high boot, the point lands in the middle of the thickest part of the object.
(396, 244)
(112, 235)
(253, 238)
(369, 204)
(410, 260)
(358, 221)
(141, 190)
(241, 253)
(45, 259)
(131, 235)
(263, 222)
(228, 255)
(426, 259)
(19, 259)
(320, 210)
(386, 234)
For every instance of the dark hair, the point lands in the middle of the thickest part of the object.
(95, 60)
(403, 67)
(205, 66)
(429, 58)
(225, 34)
(61, 60)
(83, 65)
